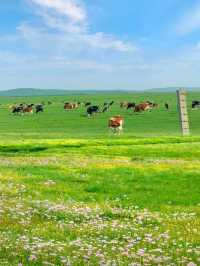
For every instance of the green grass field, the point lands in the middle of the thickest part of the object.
(73, 194)
(56, 122)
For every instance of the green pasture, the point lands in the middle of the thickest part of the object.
(57, 123)
(73, 194)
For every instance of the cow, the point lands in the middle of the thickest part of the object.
(166, 106)
(17, 109)
(195, 104)
(105, 109)
(130, 106)
(127, 105)
(152, 105)
(123, 104)
(80, 104)
(39, 108)
(115, 123)
(107, 106)
(28, 109)
(91, 110)
(145, 106)
(70, 106)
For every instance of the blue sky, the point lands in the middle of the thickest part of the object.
(99, 44)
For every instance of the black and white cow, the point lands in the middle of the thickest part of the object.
(39, 108)
(93, 110)
(195, 104)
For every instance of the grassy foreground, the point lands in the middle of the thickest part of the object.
(120, 201)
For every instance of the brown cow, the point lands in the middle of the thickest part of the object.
(70, 106)
(28, 109)
(115, 123)
(145, 106)
(142, 107)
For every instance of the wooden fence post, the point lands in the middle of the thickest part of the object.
(183, 114)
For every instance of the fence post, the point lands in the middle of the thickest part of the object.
(183, 114)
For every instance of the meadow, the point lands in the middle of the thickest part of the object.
(56, 123)
(74, 194)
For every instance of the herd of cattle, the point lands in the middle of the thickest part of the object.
(93, 109)
(115, 123)
(23, 108)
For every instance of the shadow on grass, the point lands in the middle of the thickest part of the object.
(24, 149)
(10, 149)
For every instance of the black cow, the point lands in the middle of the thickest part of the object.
(91, 110)
(39, 108)
(167, 106)
(111, 103)
(195, 104)
(130, 105)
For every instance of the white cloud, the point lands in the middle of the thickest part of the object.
(62, 24)
(71, 20)
(69, 8)
(64, 15)
(91, 44)
(190, 22)
(105, 41)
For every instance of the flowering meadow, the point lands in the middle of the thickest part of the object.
(118, 201)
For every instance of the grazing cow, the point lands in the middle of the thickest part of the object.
(127, 105)
(105, 109)
(28, 109)
(39, 108)
(146, 106)
(17, 109)
(130, 106)
(123, 104)
(106, 106)
(167, 106)
(115, 123)
(80, 104)
(70, 106)
(91, 110)
(152, 105)
(195, 104)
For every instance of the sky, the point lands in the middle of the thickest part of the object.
(99, 44)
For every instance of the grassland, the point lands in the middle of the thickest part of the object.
(94, 198)
(56, 123)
